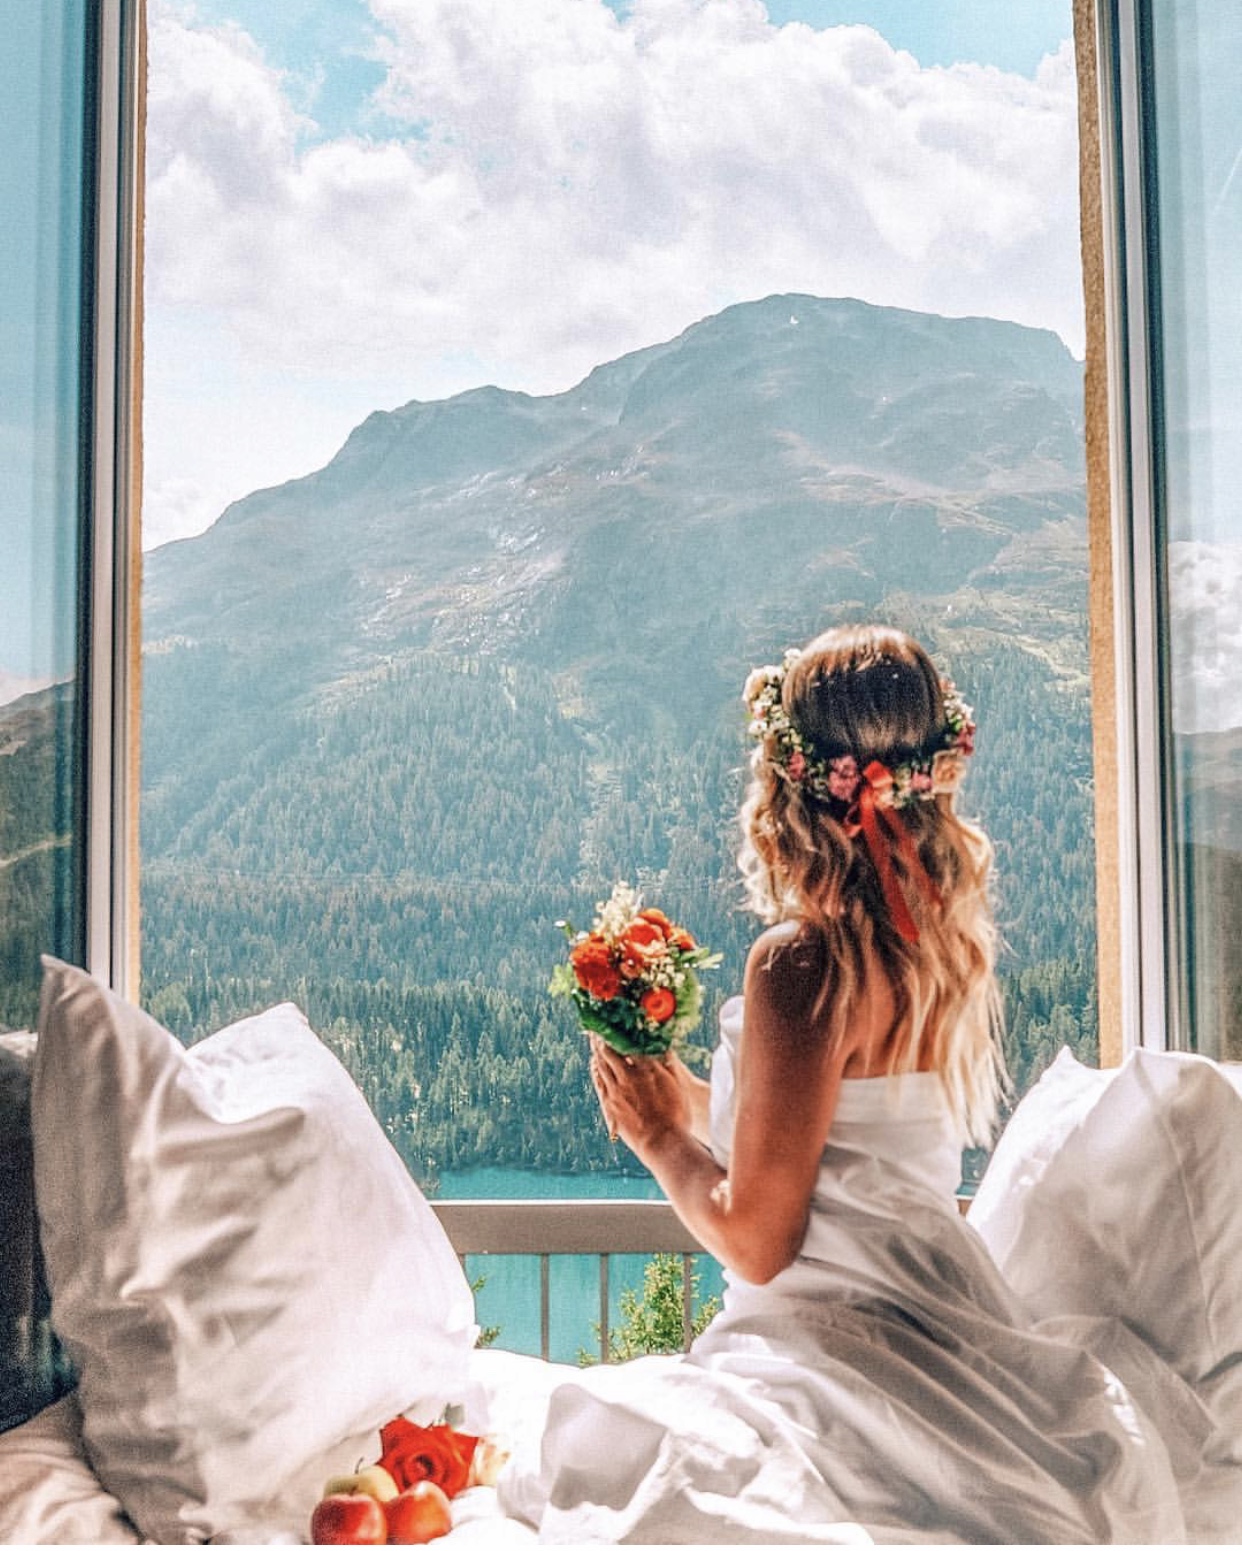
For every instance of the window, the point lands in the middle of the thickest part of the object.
(1194, 132)
(46, 101)
(402, 906)
(621, 348)
(1172, 132)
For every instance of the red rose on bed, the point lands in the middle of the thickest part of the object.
(596, 972)
(438, 1454)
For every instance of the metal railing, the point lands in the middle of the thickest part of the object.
(542, 1229)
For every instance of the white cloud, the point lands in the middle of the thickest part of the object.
(557, 186)
(1205, 588)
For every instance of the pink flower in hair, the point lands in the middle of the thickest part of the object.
(797, 765)
(843, 778)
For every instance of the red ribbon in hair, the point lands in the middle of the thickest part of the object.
(883, 833)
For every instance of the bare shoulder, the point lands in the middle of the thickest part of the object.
(789, 974)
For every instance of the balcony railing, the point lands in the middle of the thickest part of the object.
(585, 1227)
(599, 1228)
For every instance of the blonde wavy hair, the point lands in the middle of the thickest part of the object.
(873, 692)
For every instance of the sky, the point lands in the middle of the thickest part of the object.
(356, 203)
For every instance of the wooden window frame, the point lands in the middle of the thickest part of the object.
(1136, 914)
(113, 518)
(1140, 895)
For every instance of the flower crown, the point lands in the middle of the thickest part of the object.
(939, 767)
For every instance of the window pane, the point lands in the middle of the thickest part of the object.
(512, 390)
(1197, 146)
(42, 112)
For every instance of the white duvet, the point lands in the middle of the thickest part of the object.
(891, 1385)
(887, 1385)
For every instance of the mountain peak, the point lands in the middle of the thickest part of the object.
(465, 520)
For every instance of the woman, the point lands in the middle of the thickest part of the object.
(878, 959)
(869, 1367)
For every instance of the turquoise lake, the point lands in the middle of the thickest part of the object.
(509, 1296)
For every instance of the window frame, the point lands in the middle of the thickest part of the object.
(1152, 958)
(1138, 895)
(112, 560)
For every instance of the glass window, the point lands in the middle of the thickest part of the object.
(43, 110)
(1195, 136)
(519, 377)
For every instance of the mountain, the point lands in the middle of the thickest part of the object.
(879, 449)
(39, 863)
(13, 686)
(402, 715)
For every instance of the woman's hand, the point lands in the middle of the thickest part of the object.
(787, 1081)
(643, 1098)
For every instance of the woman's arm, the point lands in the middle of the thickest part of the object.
(753, 1218)
(698, 1095)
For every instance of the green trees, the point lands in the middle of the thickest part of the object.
(38, 860)
(394, 857)
(653, 1321)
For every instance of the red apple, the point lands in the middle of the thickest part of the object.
(348, 1519)
(417, 1515)
(374, 1480)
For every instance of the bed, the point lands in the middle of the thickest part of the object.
(249, 1284)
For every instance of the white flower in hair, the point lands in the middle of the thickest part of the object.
(933, 770)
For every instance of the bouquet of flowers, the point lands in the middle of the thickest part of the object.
(633, 978)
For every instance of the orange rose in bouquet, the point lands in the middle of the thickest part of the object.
(595, 967)
(641, 944)
(633, 978)
(659, 1004)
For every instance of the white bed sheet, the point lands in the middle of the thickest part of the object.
(1180, 1358)
(49, 1495)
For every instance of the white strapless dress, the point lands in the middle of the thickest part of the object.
(885, 1386)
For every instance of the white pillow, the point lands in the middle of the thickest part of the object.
(1037, 1131)
(241, 1269)
(49, 1495)
(1116, 1194)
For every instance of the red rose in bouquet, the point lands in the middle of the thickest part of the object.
(658, 1004)
(640, 945)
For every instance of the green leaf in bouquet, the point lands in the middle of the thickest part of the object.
(620, 1024)
(689, 1004)
(563, 982)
